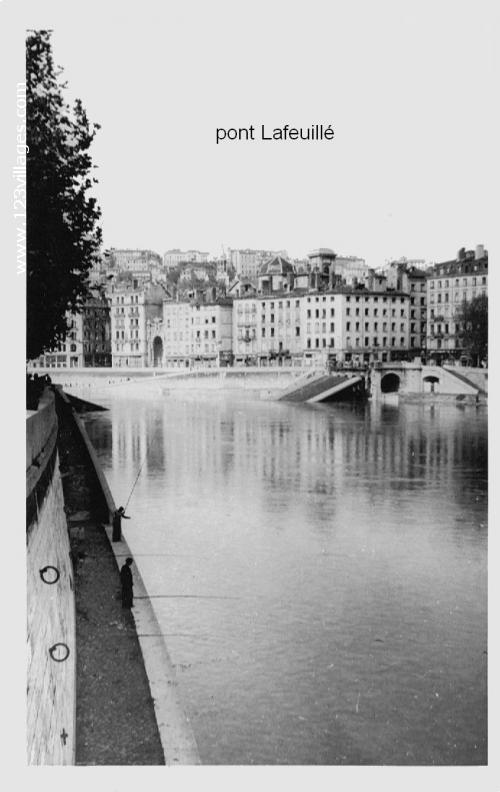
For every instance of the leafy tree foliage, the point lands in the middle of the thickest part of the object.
(63, 236)
(472, 318)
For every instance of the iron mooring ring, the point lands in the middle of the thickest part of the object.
(52, 651)
(45, 570)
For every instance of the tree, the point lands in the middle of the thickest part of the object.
(472, 318)
(62, 232)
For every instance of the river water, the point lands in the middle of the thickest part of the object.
(319, 572)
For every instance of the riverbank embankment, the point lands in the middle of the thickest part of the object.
(127, 708)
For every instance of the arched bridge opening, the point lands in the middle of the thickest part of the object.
(430, 383)
(390, 383)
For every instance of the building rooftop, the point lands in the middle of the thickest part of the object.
(321, 252)
(276, 266)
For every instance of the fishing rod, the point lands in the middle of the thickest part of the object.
(136, 480)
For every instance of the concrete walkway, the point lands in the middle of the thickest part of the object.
(115, 717)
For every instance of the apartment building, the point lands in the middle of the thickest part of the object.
(449, 285)
(197, 333)
(405, 277)
(334, 326)
(267, 327)
(354, 326)
(88, 341)
(131, 309)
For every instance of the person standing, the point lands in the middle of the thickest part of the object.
(117, 523)
(127, 582)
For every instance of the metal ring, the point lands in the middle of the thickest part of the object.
(43, 572)
(53, 649)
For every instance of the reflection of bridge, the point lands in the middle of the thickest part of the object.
(416, 379)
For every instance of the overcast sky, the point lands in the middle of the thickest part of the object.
(406, 86)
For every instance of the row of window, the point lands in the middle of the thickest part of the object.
(180, 336)
(206, 348)
(457, 298)
(133, 322)
(120, 300)
(121, 334)
(465, 282)
(317, 343)
(133, 345)
(133, 311)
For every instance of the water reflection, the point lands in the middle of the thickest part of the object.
(352, 541)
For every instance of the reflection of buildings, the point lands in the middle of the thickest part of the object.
(203, 448)
(449, 285)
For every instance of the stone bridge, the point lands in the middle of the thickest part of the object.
(417, 379)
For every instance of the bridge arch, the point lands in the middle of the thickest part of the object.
(157, 351)
(430, 382)
(390, 383)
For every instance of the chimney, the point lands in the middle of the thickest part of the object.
(479, 251)
(461, 254)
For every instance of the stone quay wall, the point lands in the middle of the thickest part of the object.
(51, 651)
